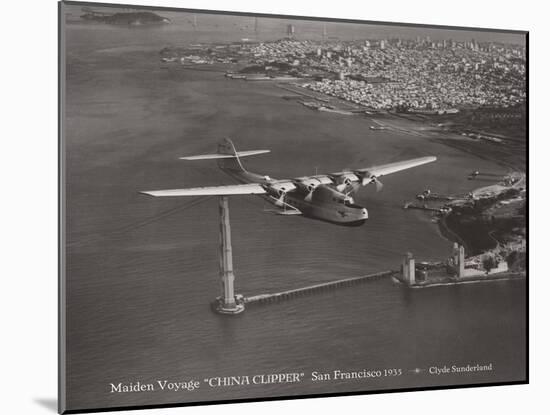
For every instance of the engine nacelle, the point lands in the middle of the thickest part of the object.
(367, 177)
(346, 178)
(281, 188)
(309, 183)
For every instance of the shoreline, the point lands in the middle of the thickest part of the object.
(451, 235)
(420, 128)
(504, 276)
(391, 121)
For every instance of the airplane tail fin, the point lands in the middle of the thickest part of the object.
(226, 147)
(228, 158)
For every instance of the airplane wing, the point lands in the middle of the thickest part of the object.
(235, 189)
(389, 168)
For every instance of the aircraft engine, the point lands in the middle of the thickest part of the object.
(345, 181)
(281, 187)
(279, 190)
(367, 177)
(309, 184)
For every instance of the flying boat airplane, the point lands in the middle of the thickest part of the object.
(326, 197)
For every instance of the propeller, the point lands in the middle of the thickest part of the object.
(379, 185)
(344, 185)
(281, 199)
(367, 178)
(278, 190)
(354, 188)
(310, 189)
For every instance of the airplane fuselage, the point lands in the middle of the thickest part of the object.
(329, 208)
(324, 203)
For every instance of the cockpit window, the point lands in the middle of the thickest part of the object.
(347, 202)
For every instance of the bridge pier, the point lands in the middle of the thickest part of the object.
(228, 302)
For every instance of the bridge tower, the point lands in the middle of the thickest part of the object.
(228, 302)
(408, 269)
(458, 259)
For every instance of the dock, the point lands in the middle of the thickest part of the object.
(316, 288)
(436, 196)
(411, 205)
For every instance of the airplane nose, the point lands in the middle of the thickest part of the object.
(365, 214)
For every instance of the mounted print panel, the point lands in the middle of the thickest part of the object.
(256, 207)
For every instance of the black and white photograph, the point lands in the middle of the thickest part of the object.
(259, 206)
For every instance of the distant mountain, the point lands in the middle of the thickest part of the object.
(129, 18)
